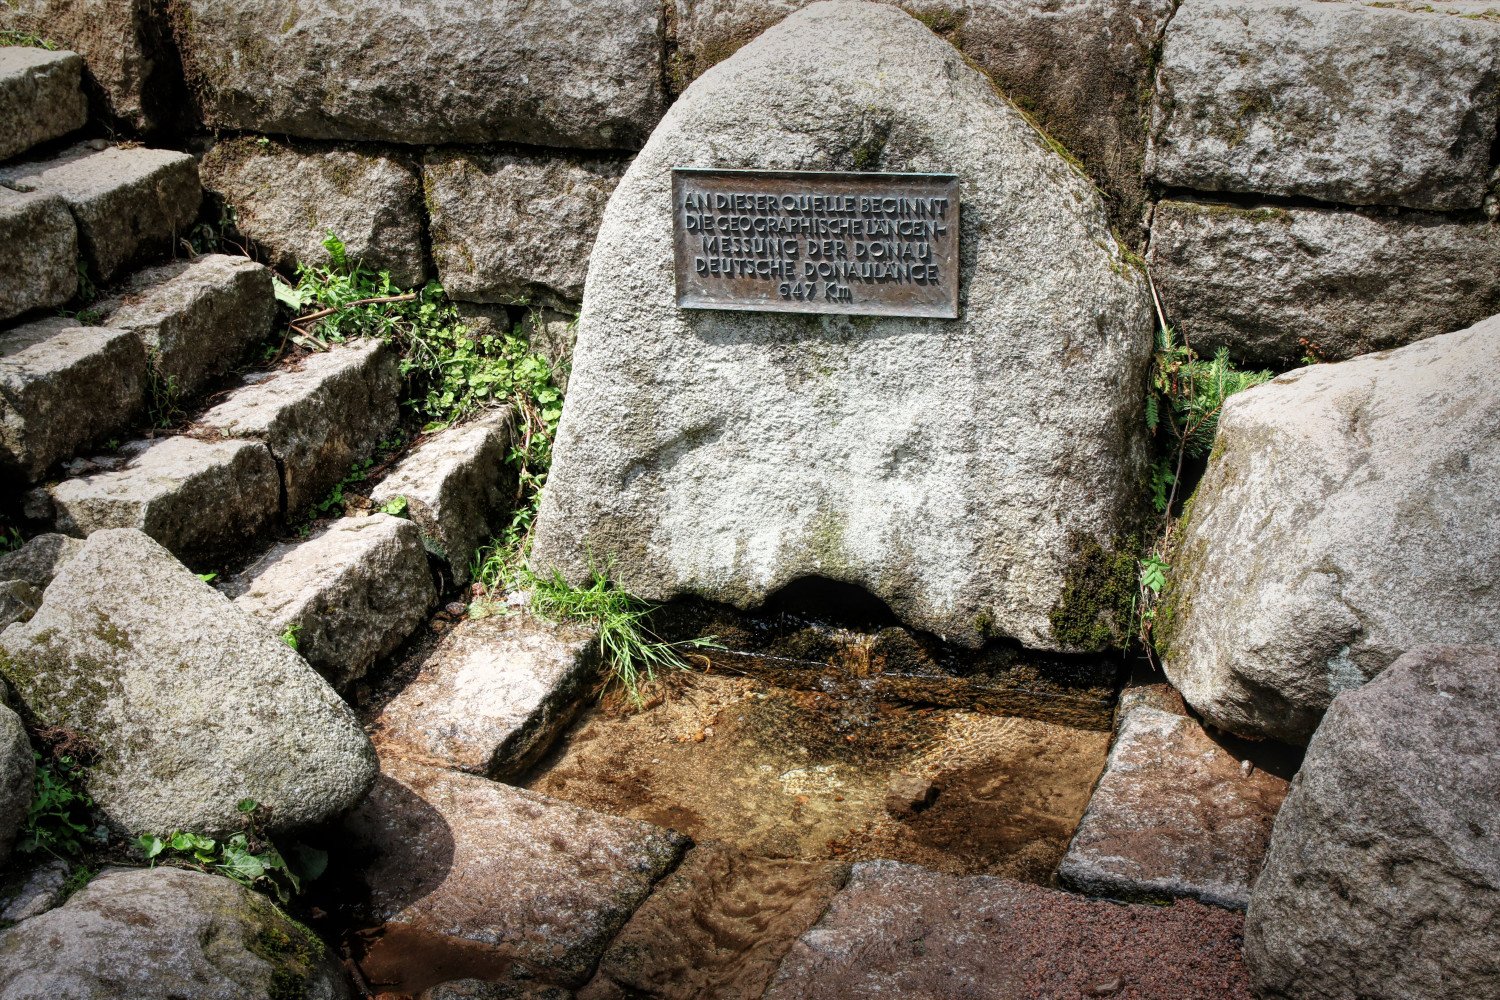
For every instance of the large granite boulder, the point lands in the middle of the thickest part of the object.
(951, 468)
(1357, 103)
(1347, 515)
(581, 73)
(1383, 878)
(164, 934)
(189, 705)
(1263, 280)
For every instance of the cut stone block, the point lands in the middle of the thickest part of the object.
(189, 706)
(317, 419)
(1355, 103)
(459, 488)
(350, 594)
(902, 931)
(41, 241)
(493, 694)
(128, 202)
(468, 865)
(63, 386)
(289, 198)
(201, 499)
(1259, 281)
(1175, 814)
(508, 226)
(197, 318)
(41, 97)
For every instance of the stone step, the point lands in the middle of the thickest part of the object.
(129, 202)
(41, 244)
(317, 419)
(197, 318)
(458, 488)
(346, 596)
(493, 694)
(64, 386)
(41, 97)
(203, 500)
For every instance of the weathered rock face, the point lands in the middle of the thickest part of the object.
(508, 227)
(1328, 487)
(190, 704)
(19, 600)
(731, 454)
(42, 270)
(318, 419)
(63, 386)
(25, 893)
(901, 931)
(38, 561)
(1082, 67)
(480, 868)
(1346, 102)
(197, 318)
(129, 202)
(17, 773)
(1383, 878)
(493, 695)
(288, 198)
(123, 44)
(350, 594)
(1261, 280)
(458, 488)
(41, 97)
(479, 989)
(582, 73)
(162, 933)
(1173, 815)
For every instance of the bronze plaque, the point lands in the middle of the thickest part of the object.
(816, 242)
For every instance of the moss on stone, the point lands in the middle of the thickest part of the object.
(292, 950)
(1098, 594)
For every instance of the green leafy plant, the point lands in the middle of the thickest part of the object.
(165, 397)
(208, 577)
(290, 633)
(10, 539)
(60, 820)
(248, 857)
(396, 507)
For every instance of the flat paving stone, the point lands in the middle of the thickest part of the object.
(490, 698)
(129, 202)
(41, 241)
(41, 97)
(197, 318)
(317, 419)
(901, 931)
(350, 594)
(1175, 814)
(470, 872)
(64, 386)
(458, 487)
(200, 499)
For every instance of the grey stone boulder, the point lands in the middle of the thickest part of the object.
(1347, 516)
(17, 772)
(189, 704)
(288, 198)
(129, 202)
(162, 934)
(1174, 814)
(509, 227)
(1383, 878)
(349, 594)
(459, 488)
(473, 868)
(41, 97)
(19, 600)
(42, 269)
(38, 561)
(1362, 104)
(730, 454)
(203, 500)
(196, 318)
(574, 73)
(1261, 280)
(493, 694)
(27, 892)
(129, 69)
(317, 419)
(1081, 67)
(64, 386)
